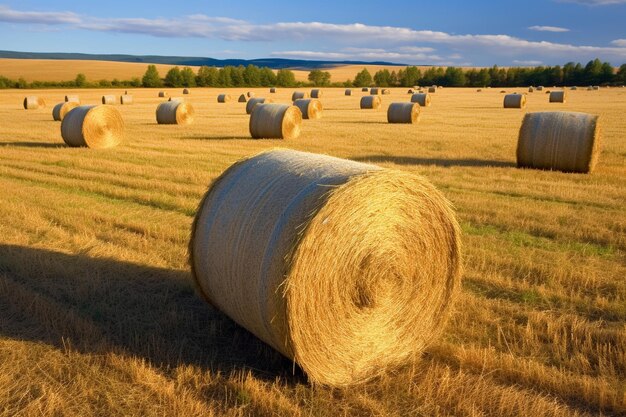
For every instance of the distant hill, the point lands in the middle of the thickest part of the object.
(274, 63)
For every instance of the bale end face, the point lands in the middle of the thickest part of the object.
(309, 107)
(97, 127)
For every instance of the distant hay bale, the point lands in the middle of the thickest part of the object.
(297, 95)
(162, 94)
(254, 101)
(432, 89)
(185, 91)
(126, 99)
(275, 121)
(574, 88)
(375, 91)
(346, 268)
(108, 99)
(174, 112)
(316, 93)
(540, 88)
(548, 92)
(557, 96)
(224, 98)
(74, 99)
(480, 90)
(423, 99)
(273, 90)
(564, 141)
(33, 103)
(365, 89)
(403, 113)
(60, 110)
(95, 127)
(309, 107)
(502, 91)
(514, 101)
(596, 87)
(410, 91)
(250, 94)
(348, 92)
(385, 91)
(371, 102)
(531, 89)
(242, 98)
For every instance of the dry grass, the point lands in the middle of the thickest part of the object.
(98, 315)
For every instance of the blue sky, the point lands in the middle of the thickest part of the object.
(456, 32)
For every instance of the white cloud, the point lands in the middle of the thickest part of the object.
(548, 29)
(364, 54)
(620, 43)
(531, 63)
(49, 18)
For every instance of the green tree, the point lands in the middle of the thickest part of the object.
(80, 80)
(267, 76)
(454, 77)
(225, 77)
(285, 78)
(207, 76)
(188, 77)
(382, 78)
(593, 72)
(607, 73)
(409, 77)
(620, 77)
(237, 76)
(319, 77)
(173, 78)
(363, 79)
(151, 78)
(252, 76)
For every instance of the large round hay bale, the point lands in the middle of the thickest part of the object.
(185, 91)
(348, 269)
(60, 110)
(242, 98)
(108, 99)
(174, 112)
(564, 141)
(33, 103)
(95, 127)
(348, 92)
(74, 99)
(371, 102)
(275, 121)
(126, 99)
(254, 101)
(423, 99)
(224, 98)
(162, 94)
(374, 91)
(514, 101)
(557, 96)
(403, 113)
(273, 90)
(309, 107)
(297, 95)
(316, 93)
(365, 89)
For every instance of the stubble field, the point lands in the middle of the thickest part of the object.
(98, 315)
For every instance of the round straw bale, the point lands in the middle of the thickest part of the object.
(108, 99)
(432, 89)
(596, 87)
(254, 101)
(574, 88)
(557, 96)
(273, 90)
(250, 94)
(564, 141)
(365, 89)
(162, 94)
(224, 98)
(548, 92)
(309, 107)
(540, 88)
(502, 91)
(316, 93)
(174, 112)
(374, 91)
(186, 91)
(75, 99)
(298, 95)
(348, 92)
(348, 269)
(126, 99)
(275, 121)
(410, 91)
(371, 102)
(385, 91)
(60, 110)
(531, 89)
(514, 101)
(242, 98)
(33, 103)
(423, 99)
(95, 127)
(480, 90)
(403, 113)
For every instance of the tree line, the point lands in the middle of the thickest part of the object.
(594, 72)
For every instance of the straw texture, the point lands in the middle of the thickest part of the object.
(242, 98)
(108, 99)
(557, 96)
(423, 99)
(514, 101)
(33, 103)
(75, 99)
(275, 121)
(309, 107)
(403, 113)
(564, 141)
(348, 92)
(95, 127)
(316, 93)
(60, 110)
(223, 98)
(298, 95)
(370, 102)
(174, 112)
(254, 101)
(346, 268)
(126, 99)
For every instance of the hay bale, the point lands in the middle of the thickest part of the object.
(126, 99)
(548, 92)
(371, 102)
(531, 89)
(309, 107)
(185, 91)
(33, 103)
(254, 101)
(250, 94)
(540, 88)
(74, 99)
(316, 93)
(242, 98)
(162, 94)
(108, 99)
(423, 99)
(480, 90)
(95, 127)
(273, 90)
(502, 91)
(348, 92)
(574, 88)
(403, 113)
(410, 91)
(374, 91)
(275, 121)
(564, 141)
(346, 268)
(174, 112)
(514, 101)
(365, 90)
(596, 87)
(432, 89)
(297, 95)
(385, 91)
(224, 98)
(60, 110)
(557, 96)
